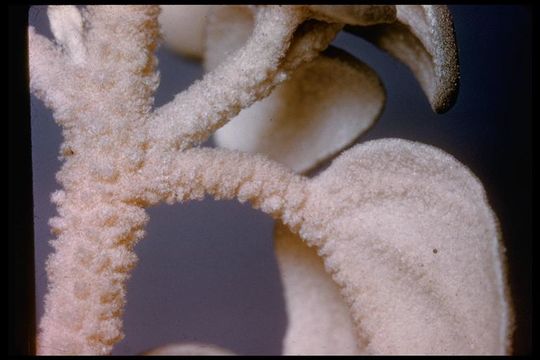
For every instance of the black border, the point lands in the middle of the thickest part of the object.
(21, 293)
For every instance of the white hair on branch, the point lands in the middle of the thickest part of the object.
(410, 246)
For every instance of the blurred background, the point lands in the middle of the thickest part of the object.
(207, 271)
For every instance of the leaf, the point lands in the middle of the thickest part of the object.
(423, 39)
(183, 28)
(319, 320)
(323, 108)
(184, 349)
(408, 233)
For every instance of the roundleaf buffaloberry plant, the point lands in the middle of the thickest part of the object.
(392, 249)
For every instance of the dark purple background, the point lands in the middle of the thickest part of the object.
(207, 271)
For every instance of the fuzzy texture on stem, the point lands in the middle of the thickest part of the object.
(99, 78)
(404, 229)
(451, 334)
